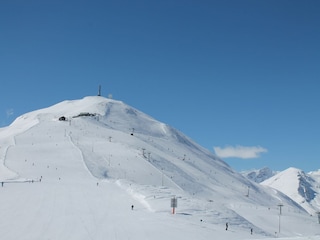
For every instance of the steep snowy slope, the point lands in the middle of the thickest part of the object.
(89, 160)
(303, 188)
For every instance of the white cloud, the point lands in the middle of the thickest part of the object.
(9, 112)
(239, 151)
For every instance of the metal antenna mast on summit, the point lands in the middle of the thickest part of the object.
(99, 90)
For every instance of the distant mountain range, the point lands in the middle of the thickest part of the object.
(259, 175)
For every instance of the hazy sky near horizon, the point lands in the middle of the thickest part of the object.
(241, 78)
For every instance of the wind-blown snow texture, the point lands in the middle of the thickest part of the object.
(77, 179)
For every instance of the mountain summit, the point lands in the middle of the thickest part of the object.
(302, 187)
(117, 141)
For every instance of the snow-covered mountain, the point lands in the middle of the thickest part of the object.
(259, 175)
(303, 188)
(73, 171)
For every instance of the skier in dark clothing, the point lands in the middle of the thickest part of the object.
(132, 207)
(227, 226)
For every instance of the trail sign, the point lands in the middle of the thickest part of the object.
(174, 204)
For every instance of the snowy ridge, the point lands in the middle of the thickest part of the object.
(89, 160)
(302, 187)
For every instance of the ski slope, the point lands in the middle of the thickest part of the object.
(77, 179)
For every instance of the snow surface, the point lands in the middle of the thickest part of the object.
(77, 179)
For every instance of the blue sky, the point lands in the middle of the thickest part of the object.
(241, 78)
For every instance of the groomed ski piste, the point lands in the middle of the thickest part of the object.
(96, 168)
